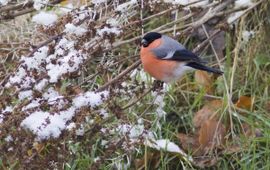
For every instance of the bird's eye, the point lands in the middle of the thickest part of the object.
(144, 43)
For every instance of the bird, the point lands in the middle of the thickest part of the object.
(167, 60)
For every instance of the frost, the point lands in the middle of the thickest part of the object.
(107, 30)
(72, 29)
(44, 18)
(46, 125)
(90, 98)
(38, 4)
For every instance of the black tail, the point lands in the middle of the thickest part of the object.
(204, 68)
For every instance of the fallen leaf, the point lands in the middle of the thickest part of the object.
(152, 159)
(204, 80)
(211, 134)
(206, 161)
(206, 112)
(190, 143)
(244, 102)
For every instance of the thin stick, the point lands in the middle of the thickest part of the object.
(122, 74)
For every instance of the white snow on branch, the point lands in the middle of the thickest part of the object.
(106, 30)
(125, 6)
(38, 4)
(242, 3)
(44, 18)
(37, 59)
(46, 125)
(25, 94)
(90, 98)
(72, 29)
(187, 2)
(4, 2)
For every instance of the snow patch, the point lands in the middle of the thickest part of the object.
(90, 98)
(72, 29)
(44, 18)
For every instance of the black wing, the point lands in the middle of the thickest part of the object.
(185, 55)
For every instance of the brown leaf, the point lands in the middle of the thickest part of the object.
(206, 161)
(211, 134)
(190, 143)
(152, 158)
(205, 80)
(206, 112)
(244, 102)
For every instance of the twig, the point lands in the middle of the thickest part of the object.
(122, 74)
(138, 99)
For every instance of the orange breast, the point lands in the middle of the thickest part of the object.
(160, 69)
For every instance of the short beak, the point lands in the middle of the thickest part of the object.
(144, 43)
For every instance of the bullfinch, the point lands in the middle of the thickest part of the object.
(167, 60)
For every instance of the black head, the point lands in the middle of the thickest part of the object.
(150, 37)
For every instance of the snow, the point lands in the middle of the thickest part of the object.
(9, 138)
(164, 144)
(247, 35)
(125, 6)
(3, 2)
(44, 18)
(25, 94)
(67, 8)
(90, 98)
(35, 61)
(17, 78)
(46, 125)
(7, 109)
(40, 85)
(242, 3)
(66, 64)
(98, 2)
(186, 2)
(113, 22)
(133, 131)
(38, 4)
(35, 103)
(1, 118)
(72, 29)
(239, 4)
(107, 30)
(104, 113)
(159, 101)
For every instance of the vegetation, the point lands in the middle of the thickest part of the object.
(73, 94)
